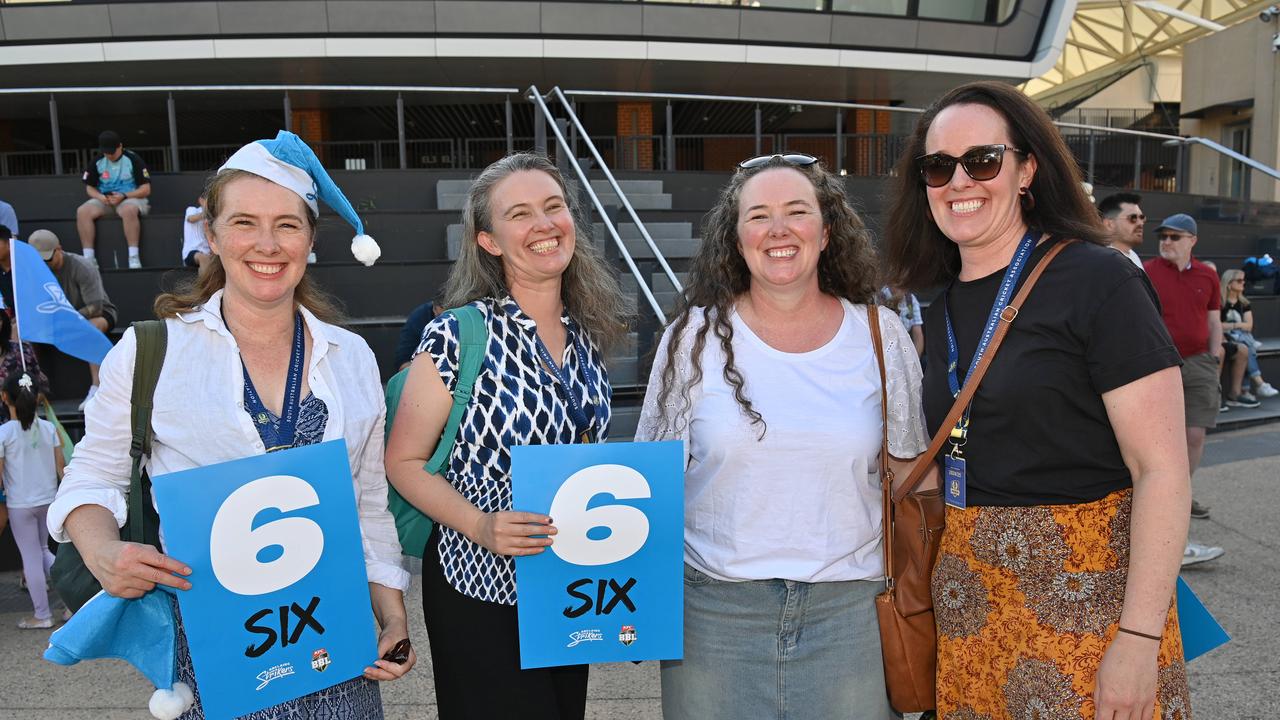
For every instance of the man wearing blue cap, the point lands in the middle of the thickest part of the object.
(1190, 300)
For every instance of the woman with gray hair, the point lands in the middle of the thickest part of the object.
(551, 306)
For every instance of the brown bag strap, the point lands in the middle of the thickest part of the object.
(1007, 317)
(886, 476)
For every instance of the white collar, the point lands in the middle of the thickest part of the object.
(210, 313)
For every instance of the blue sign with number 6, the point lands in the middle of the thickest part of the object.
(609, 588)
(279, 600)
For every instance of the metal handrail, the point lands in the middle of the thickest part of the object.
(1180, 139)
(622, 197)
(536, 97)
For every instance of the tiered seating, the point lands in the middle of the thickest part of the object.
(415, 217)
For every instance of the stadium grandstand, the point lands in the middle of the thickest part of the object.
(650, 102)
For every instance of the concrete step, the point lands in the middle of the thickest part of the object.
(657, 230)
(649, 187)
(623, 421)
(639, 201)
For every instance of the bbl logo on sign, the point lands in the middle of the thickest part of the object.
(627, 634)
(319, 660)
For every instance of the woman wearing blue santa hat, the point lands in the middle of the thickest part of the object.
(255, 363)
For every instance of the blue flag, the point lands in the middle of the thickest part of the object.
(44, 315)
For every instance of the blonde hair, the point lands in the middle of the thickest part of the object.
(589, 288)
(191, 293)
(1227, 277)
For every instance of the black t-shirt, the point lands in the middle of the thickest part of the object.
(1039, 433)
(1241, 306)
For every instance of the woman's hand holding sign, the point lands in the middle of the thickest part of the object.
(131, 570)
(125, 569)
(512, 533)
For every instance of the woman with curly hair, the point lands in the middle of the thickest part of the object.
(551, 305)
(1054, 586)
(769, 376)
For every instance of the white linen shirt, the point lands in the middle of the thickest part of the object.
(199, 419)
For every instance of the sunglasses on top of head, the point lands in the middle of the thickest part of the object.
(980, 163)
(797, 159)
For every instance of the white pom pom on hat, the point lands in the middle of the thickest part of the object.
(290, 162)
(170, 704)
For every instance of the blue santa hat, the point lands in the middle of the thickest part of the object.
(141, 631)
(288, 161)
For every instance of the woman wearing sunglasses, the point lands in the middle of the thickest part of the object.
(767, 374)
(1053, 591)
(1237, 323)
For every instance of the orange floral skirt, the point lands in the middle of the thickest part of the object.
(1027, 600)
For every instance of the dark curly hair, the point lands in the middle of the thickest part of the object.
(718, 276)
(918, 255)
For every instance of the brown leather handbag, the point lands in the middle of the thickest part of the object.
(914, 519)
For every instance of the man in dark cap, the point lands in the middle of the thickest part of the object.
(118, 184)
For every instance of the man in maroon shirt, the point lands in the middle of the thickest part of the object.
(1190, 300)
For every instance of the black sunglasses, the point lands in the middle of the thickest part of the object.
(1136, 217)
(980, 163)
(798, 159)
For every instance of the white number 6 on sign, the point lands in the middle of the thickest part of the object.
(628, 526)
(235, 544)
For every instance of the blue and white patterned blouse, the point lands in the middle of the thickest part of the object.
(515, 402)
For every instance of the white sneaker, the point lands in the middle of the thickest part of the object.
(135, 262)
(93, 260)
(93, 390)
(1265, 390)
(1196, 553)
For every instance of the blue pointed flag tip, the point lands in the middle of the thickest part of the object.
(287, 160)
(43, 312)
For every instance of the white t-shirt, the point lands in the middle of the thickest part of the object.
(803, 503)
(193, 237)
(30, 479)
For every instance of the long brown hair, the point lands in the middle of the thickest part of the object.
(718, 275)
(919, 256)
(589, 288)
(191, 293)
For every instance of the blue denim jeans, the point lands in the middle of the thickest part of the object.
(777, 649)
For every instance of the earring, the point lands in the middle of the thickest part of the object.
(1026, 199)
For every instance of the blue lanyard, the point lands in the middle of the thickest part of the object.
(279, 436)
(1011, 276)
(582, 425)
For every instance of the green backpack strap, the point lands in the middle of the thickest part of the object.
(413, 527)
(152, 339)
(472, 340)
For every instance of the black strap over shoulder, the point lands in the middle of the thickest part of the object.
(152, 340)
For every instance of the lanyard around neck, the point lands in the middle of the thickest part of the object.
(1007, 285)
(281, 435)
(582, 425)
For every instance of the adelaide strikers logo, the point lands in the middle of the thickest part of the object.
(627, 635)
(57, 300)
(320, 660)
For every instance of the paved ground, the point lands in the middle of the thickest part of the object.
(1240, 481)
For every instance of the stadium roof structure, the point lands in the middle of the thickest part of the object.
(1109, 39)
